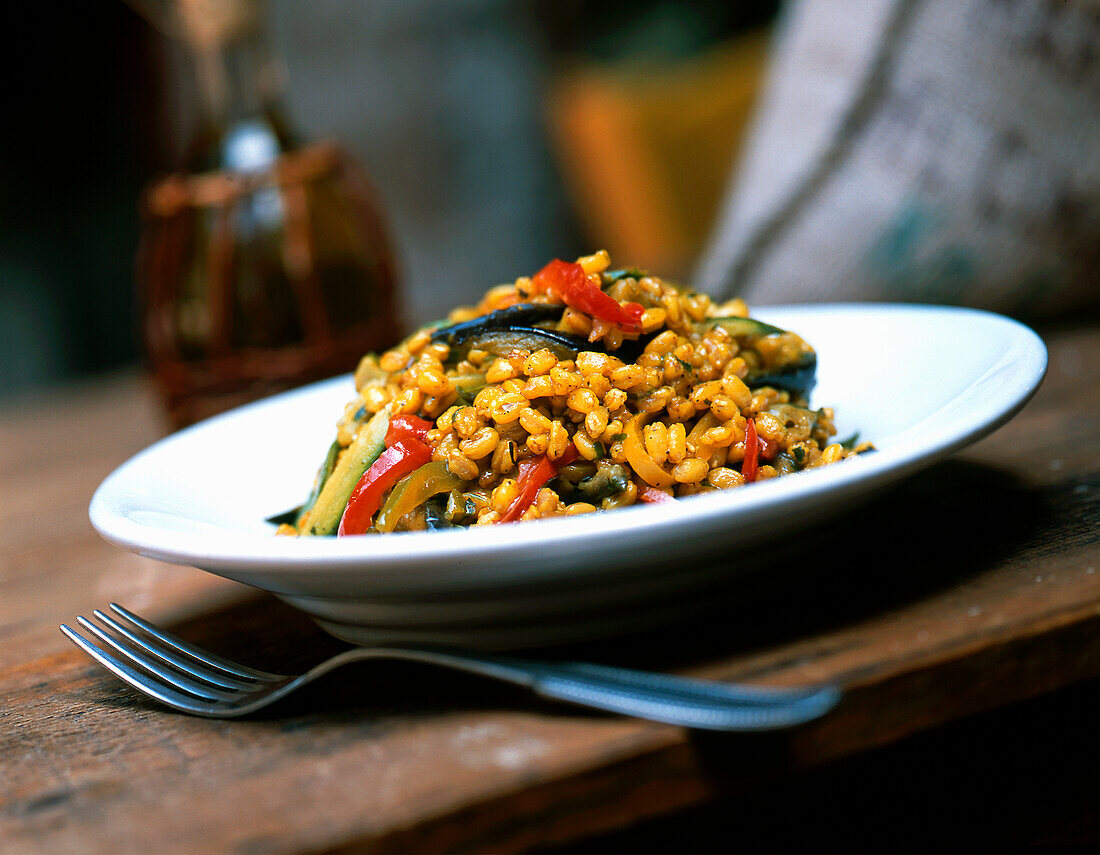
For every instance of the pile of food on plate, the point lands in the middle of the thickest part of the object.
(579, 389)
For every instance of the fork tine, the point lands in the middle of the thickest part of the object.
(197, 653)
(144, 683)
(188, 665)
(166, 675)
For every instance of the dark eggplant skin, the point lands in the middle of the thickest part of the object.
(513, 328)
(739, 327)
(506, 329)
(503, 341)
(522, 315)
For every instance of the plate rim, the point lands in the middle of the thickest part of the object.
(230, 552)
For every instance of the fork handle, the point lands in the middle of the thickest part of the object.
(705, 713)
(659, 697)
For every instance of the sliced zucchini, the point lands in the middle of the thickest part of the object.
(323, 475)
(744, 327)
(796, 377)
(369, 442)
(468, 385)
(610, 276)
(295, 515)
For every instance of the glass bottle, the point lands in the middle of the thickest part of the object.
(264, 262)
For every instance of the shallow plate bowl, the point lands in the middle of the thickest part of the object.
(920, 382)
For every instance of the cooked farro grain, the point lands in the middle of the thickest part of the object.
(578, 389)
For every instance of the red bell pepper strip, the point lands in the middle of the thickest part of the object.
(752, 449)
(654, 496)
(404, 427)
(570, 284)
(533, 475)
(405, 455)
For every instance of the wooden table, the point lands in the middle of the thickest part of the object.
(941, 610)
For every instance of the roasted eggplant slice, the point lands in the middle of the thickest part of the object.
(514, 328)
(521, 315)
(501, 342)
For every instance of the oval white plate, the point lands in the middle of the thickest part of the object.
(919, 382)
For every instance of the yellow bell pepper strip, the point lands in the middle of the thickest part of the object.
(638, 458)
(415, 489)
(570, 284)
(533, 475)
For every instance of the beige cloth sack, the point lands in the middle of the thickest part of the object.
(943, 151)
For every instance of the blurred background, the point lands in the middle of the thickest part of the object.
(460, 112)
(893, 149)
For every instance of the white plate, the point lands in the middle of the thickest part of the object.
(919, 382)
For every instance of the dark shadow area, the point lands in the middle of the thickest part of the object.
(954, 522)
(1019, 779)
(951, 523)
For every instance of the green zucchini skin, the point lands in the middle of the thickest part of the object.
(610, 276)
(797, 377)
(294, 515)
(468, 385)
(368, 444)
(742, 327)
(323, 474)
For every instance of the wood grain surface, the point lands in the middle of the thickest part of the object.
(974, 586)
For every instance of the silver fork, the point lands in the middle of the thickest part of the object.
(195, 681)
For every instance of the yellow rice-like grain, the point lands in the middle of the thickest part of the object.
(689, 378)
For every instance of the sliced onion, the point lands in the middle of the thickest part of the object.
(634, 447)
